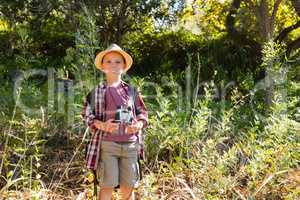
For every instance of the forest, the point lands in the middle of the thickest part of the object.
(220, 80)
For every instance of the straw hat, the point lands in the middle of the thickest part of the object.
(113, 48)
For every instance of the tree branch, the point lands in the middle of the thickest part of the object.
(273, 16)
(276, 6)
(286, 31)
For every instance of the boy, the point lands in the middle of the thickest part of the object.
(115, 114)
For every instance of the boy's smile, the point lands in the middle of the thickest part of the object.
(113, 63)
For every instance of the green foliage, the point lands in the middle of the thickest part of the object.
(161, 53)
(22, 154)
(225, 152)
(80, 61)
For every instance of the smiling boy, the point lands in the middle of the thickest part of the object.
(113, 150)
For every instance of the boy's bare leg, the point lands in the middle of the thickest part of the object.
(105, 193)
(126, 193)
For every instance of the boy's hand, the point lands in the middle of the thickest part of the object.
(107, 126)
(131, 129)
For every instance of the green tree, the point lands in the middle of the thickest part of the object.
(272, 19)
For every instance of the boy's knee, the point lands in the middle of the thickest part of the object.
(127, 192)
(105, 193)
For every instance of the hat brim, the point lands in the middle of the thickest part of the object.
(100, 56)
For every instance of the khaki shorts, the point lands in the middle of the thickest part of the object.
(118, 164)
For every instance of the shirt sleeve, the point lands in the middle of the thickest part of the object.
(88, 116)
(141, 110)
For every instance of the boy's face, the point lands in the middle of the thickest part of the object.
(113, 63)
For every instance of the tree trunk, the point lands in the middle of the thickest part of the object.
(265, 21)
(262, 13)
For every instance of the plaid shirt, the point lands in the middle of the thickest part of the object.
(94, 108)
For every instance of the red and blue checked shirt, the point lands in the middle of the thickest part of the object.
(95, 107)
